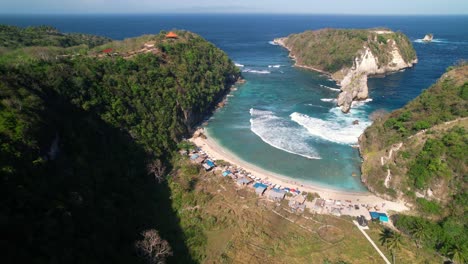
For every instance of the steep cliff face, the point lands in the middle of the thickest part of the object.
(350, 56)
(420, 151)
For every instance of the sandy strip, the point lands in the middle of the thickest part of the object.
(217, 152)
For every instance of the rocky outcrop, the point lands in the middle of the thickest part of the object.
(428, 38)
(354, 83)
(380, 54)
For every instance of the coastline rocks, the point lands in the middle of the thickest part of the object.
(380, 54)
(428, 38)
(354, 83)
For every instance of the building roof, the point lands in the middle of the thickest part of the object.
(276, 195)
(258, 184)
(226, 173)
(194, 157)
(300, 199)
(206, 166)
(260, 190)
(244, 180)
(210, 163)
(171, 35)
(199, 160)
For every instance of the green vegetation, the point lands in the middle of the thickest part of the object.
(234, 225)
(85, 140)
(45, 36)
(333, 49)
(430, 168)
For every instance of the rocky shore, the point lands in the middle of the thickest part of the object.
(353, 80)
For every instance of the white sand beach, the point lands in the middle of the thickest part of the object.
(217, 152)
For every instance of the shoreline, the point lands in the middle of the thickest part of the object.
(218, 152)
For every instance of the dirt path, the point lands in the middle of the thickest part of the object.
(372, 243)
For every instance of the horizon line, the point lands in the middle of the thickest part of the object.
(232, 13)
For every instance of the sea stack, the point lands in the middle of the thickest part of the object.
(428, 37)
(350, 56)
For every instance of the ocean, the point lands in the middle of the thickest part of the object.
(284, 119)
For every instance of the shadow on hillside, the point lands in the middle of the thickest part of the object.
(90, 203)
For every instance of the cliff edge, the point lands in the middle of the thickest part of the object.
(350, 56)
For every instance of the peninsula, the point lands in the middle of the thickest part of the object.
(350, 56)
(419, 154)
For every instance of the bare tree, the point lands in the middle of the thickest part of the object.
(153, 248)
(157, 168)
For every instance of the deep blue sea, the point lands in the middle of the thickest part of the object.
(284, 118)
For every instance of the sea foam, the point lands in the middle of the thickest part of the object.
(336, 126)
(281, 134)
(274, 66)
(329, 100)
(239, 65)
(271, 42)
(256, 71)
(330, 88)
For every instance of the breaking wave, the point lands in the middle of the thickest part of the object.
(329, 100)
(330, 88)
(239, 65)
(360, 103)
(274, 66)
(271, 42)
(442, 41)
(336, 127)
(278, 132)
(257, 71)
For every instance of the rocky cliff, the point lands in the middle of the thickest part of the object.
(420, 151)
(350, 56)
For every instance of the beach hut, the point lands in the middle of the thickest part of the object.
(171, 35)
(362, 220)
(276, 194)
(300, 199)
(260, 190)
(259, 184)
(206, 166)
(336, 211)
(243, 181)
(319, 203)
(210, 163)
(200, 159)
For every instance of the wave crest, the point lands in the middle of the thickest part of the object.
(256, 71)
(279, 133)
(337, 127)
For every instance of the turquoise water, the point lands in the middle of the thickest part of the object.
(278, 122)
(283, 119)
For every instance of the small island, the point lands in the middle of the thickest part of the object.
(349, 56)
(428, 38)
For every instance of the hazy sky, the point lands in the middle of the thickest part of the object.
(367, 7)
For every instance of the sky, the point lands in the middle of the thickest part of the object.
(362, 7)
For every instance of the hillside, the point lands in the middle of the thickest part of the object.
(45, 36)
(350, 56)
(87, 139)
(419, 153)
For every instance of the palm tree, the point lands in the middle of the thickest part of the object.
(394, 244)
(392, 240)
(385, 236)
(418, 233)
(457, 255)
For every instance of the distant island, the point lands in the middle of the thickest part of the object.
(349, 56)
